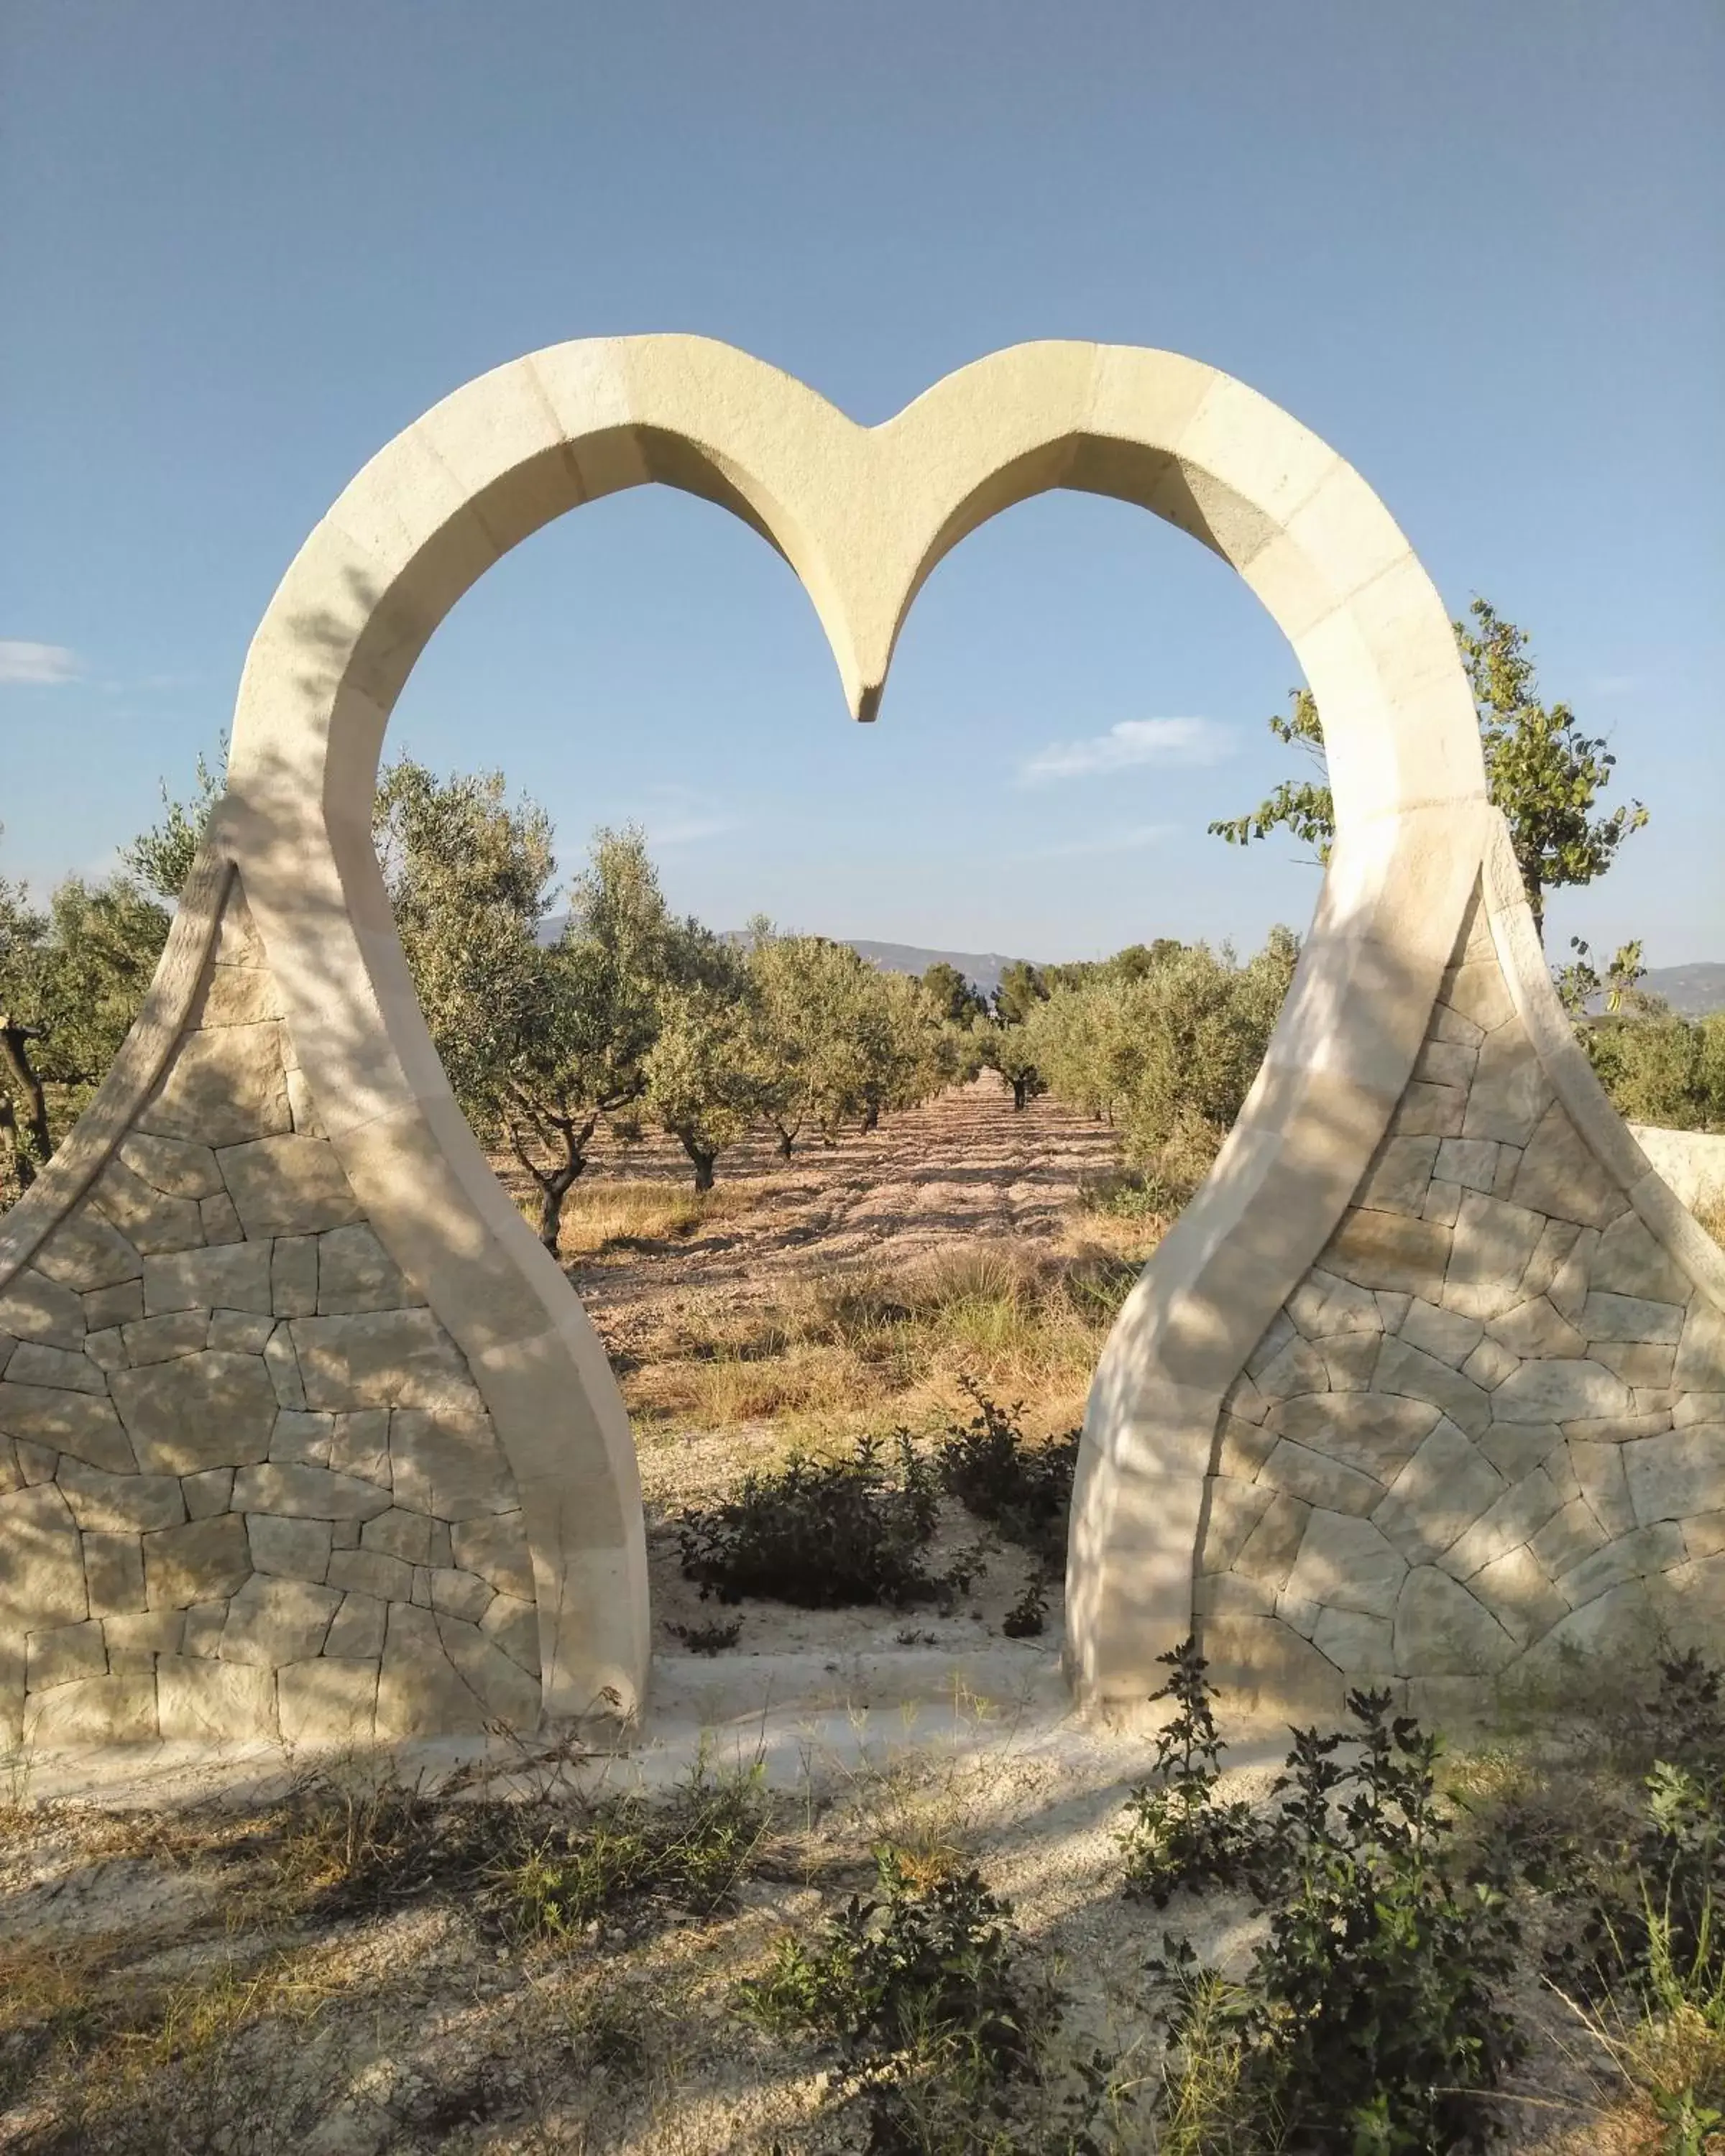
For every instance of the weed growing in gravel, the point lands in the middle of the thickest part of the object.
(709, 1639)
(1025, 1619)
(823, 1534)
(633, 1855)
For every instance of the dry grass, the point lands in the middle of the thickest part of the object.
(838, 1354)
(605, 1216)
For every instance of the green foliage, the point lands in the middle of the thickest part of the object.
(1370, 2019)
(1009, 1047)
(633, 1855)
(1023, 1488)
(1169, 1051)
(161, 858)
(956, 1000)
(1542, 771)
(1650, 1904)
(1306, 808)
(1580, 981)
(1027, 1617)
(929, 2000)
(712, 1638)
(1633, 1938)
(702, 1076)
(103, 943)
(837, 1040)
(823, 1534)
(72, 979)
(1179, 1835)
(1661, 1069)
(540, 1040)
(1022, 987)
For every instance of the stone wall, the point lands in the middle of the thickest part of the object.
(247, 1484)
(1488, 1426)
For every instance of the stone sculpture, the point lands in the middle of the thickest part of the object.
(301, 1432)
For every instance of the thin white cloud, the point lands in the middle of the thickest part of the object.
(1105, 842)
(1613, 684)
(1131, 742)
(41, 665)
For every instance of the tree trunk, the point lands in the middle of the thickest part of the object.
(1020, 1092)
(33, 1143)
(554, 1184)
(24, 1169)
(703, 1167)
(871, 1115)
(553, 1189)
(784, 1144)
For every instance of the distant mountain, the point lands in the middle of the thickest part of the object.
(1692, 991)
(982, 968)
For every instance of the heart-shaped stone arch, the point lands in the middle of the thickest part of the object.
(862, 515)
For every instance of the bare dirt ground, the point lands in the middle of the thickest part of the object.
(965, 1166)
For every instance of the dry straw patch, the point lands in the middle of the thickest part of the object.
(859, 1350)
(603, 1216)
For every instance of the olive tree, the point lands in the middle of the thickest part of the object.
(543, 1035)
(73, 977)
(1169, 1052)
(958, 1000)
(704, 1075)
(1542, 771)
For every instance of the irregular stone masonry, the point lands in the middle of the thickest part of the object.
(247, 1486)
(1487, 1431)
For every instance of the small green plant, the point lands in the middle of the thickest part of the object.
(344, 1844)
(633, 1854)
(1653, 1898)
(1027, 1616)
(1023, 1488)
(824, 1534)
(1177, 1835)
(712, 1638)
(927, 1994)
(1370, 2020)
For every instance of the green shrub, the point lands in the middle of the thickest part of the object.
(1370, 2020)
(1028, 1615)
(823, 1534)
(1661, 1069)
(1177, 1835)
(932, 2002)
(1023, 1488)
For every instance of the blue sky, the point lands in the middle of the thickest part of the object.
(1476, 248)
